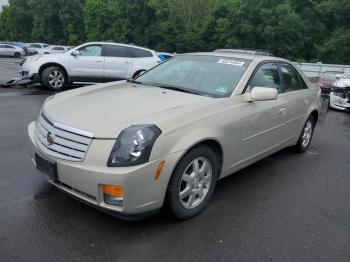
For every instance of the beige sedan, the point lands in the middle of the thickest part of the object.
(166, 137)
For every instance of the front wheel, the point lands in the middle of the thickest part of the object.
(53, 78)
(192, 183)
(306, 135)
(16, 55)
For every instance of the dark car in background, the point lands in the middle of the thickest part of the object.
(327, 80)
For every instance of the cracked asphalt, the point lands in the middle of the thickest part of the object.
(287, 207)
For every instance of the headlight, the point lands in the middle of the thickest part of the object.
(133, 146)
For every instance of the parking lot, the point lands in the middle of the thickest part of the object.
(287, 207)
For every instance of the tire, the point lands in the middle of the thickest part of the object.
(54, 78)
(17, 55)
(196, 190)
(306, 134)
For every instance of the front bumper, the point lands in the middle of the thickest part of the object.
(339, 103)
(143, 195)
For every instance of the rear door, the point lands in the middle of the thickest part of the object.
(298, 96)
(263, 125)
(88, 65)
(118, 62)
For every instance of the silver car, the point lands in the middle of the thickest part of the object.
(11, 50)
(166, 137)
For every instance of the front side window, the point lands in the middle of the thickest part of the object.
(211, 76)
(91, 50)
(291, 78)
(267, 76)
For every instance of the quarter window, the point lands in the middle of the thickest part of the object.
(115, 51)
(138, 53)
(267, 76)
(91, 50)
(291, 78)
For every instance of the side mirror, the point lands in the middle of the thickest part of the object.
(75, 53)
(262, 94)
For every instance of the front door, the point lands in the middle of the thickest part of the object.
(263, 122)
(88, 65)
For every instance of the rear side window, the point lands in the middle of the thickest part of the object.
(267, 76)
(36, 46)
(138, 53)
(115, 51)
(58, 48)
(291, 78)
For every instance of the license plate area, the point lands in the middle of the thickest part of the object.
(47, 167)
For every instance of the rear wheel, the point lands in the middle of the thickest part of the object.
(192, 183)
(306, 135)
(17, 55)
(53, 78)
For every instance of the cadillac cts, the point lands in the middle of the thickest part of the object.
(166, 137)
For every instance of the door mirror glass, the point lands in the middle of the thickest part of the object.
(259, 93)
(75, 53)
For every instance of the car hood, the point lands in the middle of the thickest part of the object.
(342, 83)
(106, 109)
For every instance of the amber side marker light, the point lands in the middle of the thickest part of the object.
(113, 195)
(159, 170)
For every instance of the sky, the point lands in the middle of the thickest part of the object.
(3, 2)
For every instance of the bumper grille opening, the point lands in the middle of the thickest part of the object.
(66, 143)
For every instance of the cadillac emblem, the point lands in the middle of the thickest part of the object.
(50, 137)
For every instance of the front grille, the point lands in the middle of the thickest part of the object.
(68, 143)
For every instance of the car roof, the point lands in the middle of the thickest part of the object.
(246, 56)
(115, 43)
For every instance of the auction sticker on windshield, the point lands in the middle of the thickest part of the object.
(230, 62)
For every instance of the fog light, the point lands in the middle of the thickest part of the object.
(113, 195)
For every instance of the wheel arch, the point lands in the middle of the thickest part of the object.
(314, 113)
(46, 65)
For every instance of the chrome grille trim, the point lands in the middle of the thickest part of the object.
(69, 144)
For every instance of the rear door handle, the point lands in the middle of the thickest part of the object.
(98, 60)
(307, 101)
(282, 111)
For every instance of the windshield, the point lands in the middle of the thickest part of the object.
(199, 74)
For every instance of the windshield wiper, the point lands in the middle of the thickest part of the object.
(177, 88)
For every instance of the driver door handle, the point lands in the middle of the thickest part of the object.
(307, 101)
(282, 111)
(98, 60)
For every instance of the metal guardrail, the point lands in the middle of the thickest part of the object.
(316, 69)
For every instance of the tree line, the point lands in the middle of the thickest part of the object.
(300, 30)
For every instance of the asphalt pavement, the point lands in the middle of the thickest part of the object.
(287, 207)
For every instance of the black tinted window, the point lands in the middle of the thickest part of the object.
(138, 53)
(267, 76)
(9, 46)
(115, 51)
(36, 46)
(291, 78)
(58, 48)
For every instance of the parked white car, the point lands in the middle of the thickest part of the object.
(89, 63)
(11, 50)
(36, 48)
(55, 50)
(166, 137)
(339, 97)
